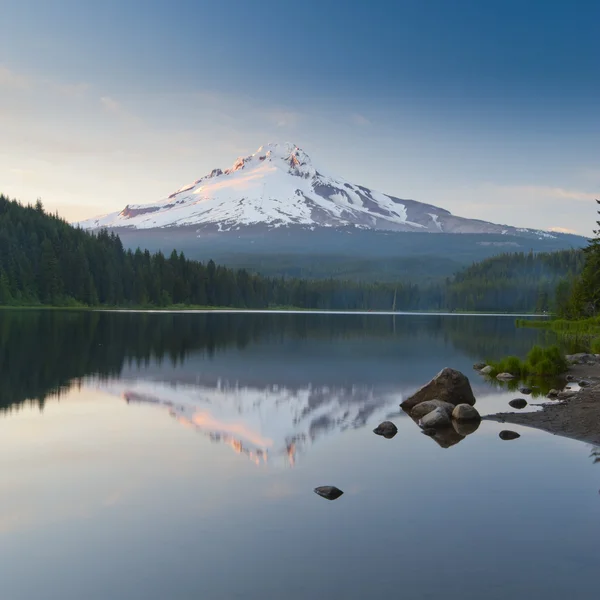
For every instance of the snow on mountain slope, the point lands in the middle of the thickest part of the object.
(279, 186)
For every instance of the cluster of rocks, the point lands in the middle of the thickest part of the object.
(444, 409)
(583, 358)
(485, 369)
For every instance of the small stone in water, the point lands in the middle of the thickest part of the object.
(387, 429)
(518, 403)
(508, 435)
(330, 492)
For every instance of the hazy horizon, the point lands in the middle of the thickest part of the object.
(486, 110)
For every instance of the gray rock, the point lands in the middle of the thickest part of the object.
(508, 435)
(465, 428)
(420, 410)
(330, 492)
(581, 358)
(429, 431)
(448, 385)
(478, 366)
(387, 429)
(570, 378)
(437, 419)
(486, 370)
(525, 390)
(552, 393)
(505, 376)
(565, 394)
(584, 383)
(518, 403)
(465, 412)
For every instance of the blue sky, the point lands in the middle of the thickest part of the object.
(487, 108)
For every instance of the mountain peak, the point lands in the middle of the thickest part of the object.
(279, 186)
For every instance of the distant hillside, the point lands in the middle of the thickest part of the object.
(519, 281)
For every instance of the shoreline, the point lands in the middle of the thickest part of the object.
(576, 417)
(290, 310)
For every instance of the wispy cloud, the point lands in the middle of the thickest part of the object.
(110, 104)
(562, 229)
(359, 120)
(284, 118)
(10, 79)
(541, 192)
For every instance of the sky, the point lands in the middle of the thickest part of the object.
(489, 109)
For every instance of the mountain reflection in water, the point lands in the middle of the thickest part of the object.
(268, 385)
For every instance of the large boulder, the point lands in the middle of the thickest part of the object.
(387, 429)
(465, 412)
(420, 410)
(448, 385)
(436, 419)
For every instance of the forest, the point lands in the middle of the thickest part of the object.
(46, 261)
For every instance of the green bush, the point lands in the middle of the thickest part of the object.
(540, 361)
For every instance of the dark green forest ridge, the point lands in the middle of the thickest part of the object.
(44, 260)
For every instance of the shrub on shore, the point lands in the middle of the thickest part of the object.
(540, 361)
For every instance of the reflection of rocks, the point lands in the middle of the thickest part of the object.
(330, 492)
(447, 437)
(466, 428)
(386, 429)
(448, 385)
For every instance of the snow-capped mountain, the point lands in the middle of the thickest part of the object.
(279, 186)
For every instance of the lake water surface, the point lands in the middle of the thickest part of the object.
(174, 456)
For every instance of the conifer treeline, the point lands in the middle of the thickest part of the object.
(45, 260)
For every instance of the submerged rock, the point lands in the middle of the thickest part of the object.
(387, 429)
(436, 418)
(518, 403)
(508, 435)
(505, 376)
(465, 412)
(448, 385)
(525, 390)
(584, 383)
(330, 492)
(552, 393)
(478, 366)
(486, 370)
(465, 428)
(420, 410)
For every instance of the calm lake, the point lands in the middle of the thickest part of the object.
(174, 457)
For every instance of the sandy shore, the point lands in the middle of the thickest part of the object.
(576, 417)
